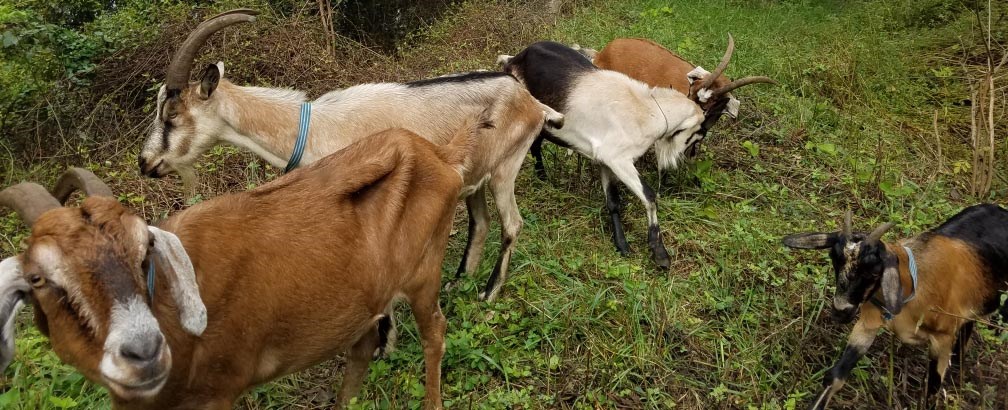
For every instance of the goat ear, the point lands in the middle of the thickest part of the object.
(892, 289)
(13, 290)
(696, 74)
(811, 240)
(211, 76)
(181, 277)
(733, 106)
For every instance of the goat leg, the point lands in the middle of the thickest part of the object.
(358, 358)
(614, 207)
(479, 226)
(858, 343)
(536, 149)
(502, 186)
(941, 358)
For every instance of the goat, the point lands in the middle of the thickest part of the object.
(256, 284)
(931, 287)
(647, 61)
(192, 117)
(613, 120)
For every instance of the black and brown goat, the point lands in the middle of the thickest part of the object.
(249, 286)
(929, 288)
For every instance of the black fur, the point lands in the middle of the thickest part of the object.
(164, 134)
(985, 228)
(457, 78)
(384, 328)
(549, 70)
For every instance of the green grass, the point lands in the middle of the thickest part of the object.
(738, 322)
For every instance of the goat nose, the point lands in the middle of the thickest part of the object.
(142, 350)
(141, 163)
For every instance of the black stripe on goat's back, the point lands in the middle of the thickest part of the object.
(458, 78)
(549, 70)
(985, 228)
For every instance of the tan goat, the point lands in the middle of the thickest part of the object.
(194, 116)
(249, 286)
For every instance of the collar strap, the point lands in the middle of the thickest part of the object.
(150, 279)
(302, 138)
(662, 114)
(912, 267)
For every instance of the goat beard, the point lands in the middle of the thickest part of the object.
(188, 176)
(667, 154)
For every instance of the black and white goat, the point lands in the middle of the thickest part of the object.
(929, 288)
(613, 120)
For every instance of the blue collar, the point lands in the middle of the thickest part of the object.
(150, 280)
(302, 138)
(912, 267)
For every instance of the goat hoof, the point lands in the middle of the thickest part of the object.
(662, 260)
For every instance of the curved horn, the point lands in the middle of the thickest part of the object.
(741, 82)
(29, 200)
(846, 228)
(875, 235)
(721, 67)
(177, 75)
(82, 179)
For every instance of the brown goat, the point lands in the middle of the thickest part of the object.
(290, 274)
(926, 289)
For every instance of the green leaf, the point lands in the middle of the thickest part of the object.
(9, 39)
(752, 147)
(62, 402)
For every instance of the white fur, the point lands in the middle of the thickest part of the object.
(129, 322)
(11, 283)
(182, 279)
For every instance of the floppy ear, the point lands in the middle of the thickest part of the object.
(696, 74)
(211, 76)
(811, 240)
(178, 271)
(13, 290)
(892, 289)
(733, 106)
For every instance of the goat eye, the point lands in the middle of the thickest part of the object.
(37, 280)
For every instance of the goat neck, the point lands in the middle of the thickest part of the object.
(262, 120)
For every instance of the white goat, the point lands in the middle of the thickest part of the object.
(613, 120)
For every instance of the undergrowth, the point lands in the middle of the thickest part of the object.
(738, 321)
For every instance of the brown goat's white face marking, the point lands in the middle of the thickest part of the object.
(50, 258)
(136, 360)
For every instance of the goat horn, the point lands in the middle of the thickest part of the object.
(721, 67)
(79, 178)
(29, 200)
(846, 228)
(741, 82)
(875, 235)
(177, 75)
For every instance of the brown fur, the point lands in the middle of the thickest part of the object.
(647, 61)
(292, 273)
(952, 285)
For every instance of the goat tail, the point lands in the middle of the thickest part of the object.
(552, 118)
(458, 151)
(667, 153)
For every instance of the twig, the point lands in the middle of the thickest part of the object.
(986, 322)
